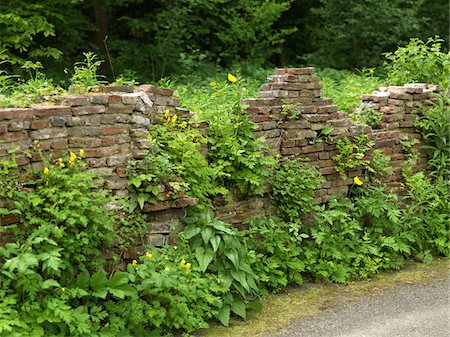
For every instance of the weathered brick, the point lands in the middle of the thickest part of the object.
(155, 90)
(19, 125)
(88, 110)
(48, 133)
(113, 130)
(16, 113)
(75, 100)
(40, 124)
(117, 160)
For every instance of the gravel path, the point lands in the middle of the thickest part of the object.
(407, 310)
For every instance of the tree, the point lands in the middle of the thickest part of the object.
(354, 34)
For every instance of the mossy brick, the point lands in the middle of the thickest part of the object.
(99, 99)
(121, 171)
(82, 142)
(117, 159)
(139, 119)
(79, 100)
(116, 184)
(296, 124)
(48, 133)
(108, 119)
(295, 71)
(19, 125)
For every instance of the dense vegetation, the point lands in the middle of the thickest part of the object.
(53, 281)
(153, 39)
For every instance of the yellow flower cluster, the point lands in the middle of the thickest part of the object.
(232, 78)
(357, 181)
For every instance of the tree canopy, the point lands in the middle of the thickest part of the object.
(156, 38)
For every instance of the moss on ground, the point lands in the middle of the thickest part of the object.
(314, 298)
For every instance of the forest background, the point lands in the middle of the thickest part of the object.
(146, 40)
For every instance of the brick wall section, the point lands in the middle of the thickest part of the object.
(111, 127)
(291, 112)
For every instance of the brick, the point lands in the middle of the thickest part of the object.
(99, 99)
(260, 118)
(82, 142)
(88, 110)
(80, 131)
(60, 144)
(115, 118)
(16, 113)
(148, 88)
(295, 71)
(113, 130)
(58, 121)
(138, 119)
(40, 124)
(3, 128)
(302, 124)
(327, 170)
(19, 125)
(13, 136)
(75, 100)
(119, 108)
(117, 160)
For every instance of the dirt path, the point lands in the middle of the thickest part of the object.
(412, 302)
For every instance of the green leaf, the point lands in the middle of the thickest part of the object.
(206, 234)
(215, 242)
(123, 290)
(224, 315)
(234, 258)
(83, 280)
(238, 307)
(204, 257)
(49, 283)
(190, 231)
(99, 284)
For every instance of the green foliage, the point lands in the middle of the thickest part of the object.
(173, 167)
(59, 202)
(85, 73)
(353, 154)
(434, 124)
(345, 87)
(166, 294)
(426, 214)
(278, 254)
(294, 183)
(219, 251)
(17, 92)
(352, 34)
(233, 151)
(419, 62)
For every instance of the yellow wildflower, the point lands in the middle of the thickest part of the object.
(357, 181)
(244, 89)
(278, 156)
(213, 84)
(167, 269)
(82, 153)
(183, 262)
(174, 119)
(72, 158)
(134, 263)
(63, 289)
(167, 113)
(188, 266)
(183, 125)
(232, 78)
(46, 171)
(175, 247)
(148, 255)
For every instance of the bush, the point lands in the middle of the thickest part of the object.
(419, 62)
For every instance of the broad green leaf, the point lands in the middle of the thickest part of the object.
(215, 242)
(238, 307)
(83, 280)
(206, 234)
(49, 283)
(224, 315)
(204, 257)
(99, 284)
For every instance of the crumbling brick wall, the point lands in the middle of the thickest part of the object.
(112, 127)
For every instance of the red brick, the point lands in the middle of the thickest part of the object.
(57, 110)
(155, 90)
(14, 136)
(113, 130)
(16, 113)
(2, 128)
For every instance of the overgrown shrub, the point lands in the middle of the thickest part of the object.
(419, 62)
